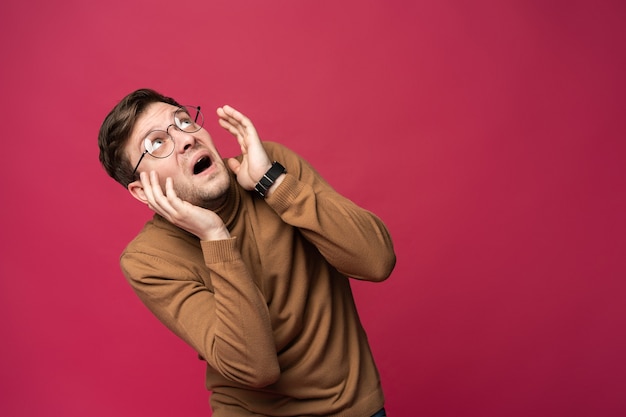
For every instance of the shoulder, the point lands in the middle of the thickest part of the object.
(162, 253)
(160, 238)
(294, 163)
(277, 149)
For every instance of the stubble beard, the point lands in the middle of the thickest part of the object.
(211, 194)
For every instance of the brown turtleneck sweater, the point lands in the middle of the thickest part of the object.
(271, 310)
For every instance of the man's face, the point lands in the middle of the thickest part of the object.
(195, 166)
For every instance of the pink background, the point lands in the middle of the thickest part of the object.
(488, 135)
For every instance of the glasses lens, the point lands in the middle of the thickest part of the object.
(159, 144)
(189, 119)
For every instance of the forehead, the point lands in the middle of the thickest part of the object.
(153, 116)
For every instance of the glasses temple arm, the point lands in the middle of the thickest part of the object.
(138, 162)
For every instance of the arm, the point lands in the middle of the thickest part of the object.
(350, 238)
(353, 240)
(224, 317)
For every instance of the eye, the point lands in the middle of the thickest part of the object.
(183, 121)
(155, 140)
(148, 145)
(156, 144)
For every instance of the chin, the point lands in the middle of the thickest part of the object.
(208, 192)
(213, 194)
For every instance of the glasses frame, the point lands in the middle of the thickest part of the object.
(186, 109)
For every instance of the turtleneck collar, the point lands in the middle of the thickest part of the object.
(228, 211)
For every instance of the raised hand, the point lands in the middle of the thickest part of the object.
(255, 161)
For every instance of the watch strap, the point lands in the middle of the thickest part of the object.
(269, 178)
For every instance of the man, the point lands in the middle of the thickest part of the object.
(247, 260)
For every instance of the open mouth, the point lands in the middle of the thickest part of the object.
(202, 165)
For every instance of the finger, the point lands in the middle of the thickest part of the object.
(237, 119)
(234, 165)
(225, 113)
(236, 114)
(231, 128)
(175, 203)
(147, 186)
(169, 189)
(159, 199)
(240, 136)
(234, 127)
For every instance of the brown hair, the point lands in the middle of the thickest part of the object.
(116, 130)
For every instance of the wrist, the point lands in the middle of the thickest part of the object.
(273, 187)
(220, 233)
(270, 180)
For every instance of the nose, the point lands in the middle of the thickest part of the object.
(183, 140)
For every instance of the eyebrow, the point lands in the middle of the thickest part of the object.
(144, 133)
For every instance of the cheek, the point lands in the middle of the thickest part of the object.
(167, 167)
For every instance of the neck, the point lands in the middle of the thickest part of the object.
(228, 203)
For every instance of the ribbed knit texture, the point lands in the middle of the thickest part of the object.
(268, 309)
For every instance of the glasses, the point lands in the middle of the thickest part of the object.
(159, 143)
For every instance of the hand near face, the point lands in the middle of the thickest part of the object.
(255, 161)
(197, 220)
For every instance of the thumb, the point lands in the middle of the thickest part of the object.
(234, 165)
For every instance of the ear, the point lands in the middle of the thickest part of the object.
(136, 190)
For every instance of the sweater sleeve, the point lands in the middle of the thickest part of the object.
(352, 239)
(228, 325)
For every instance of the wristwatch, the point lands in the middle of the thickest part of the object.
(268, 179)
